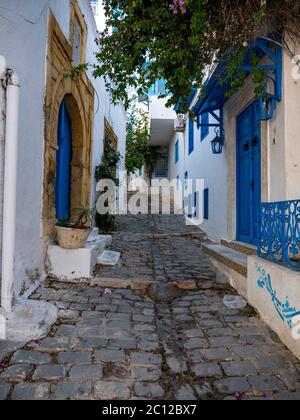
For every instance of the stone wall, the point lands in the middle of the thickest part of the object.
(79, 97)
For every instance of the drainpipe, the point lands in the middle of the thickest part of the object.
(2, 148)
(10, 188)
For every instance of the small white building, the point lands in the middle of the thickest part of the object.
(251, 184)
(41, 41)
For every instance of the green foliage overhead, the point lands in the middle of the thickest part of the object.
(181, 39)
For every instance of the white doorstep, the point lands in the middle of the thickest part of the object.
(76, 264)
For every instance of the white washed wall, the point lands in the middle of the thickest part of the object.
(158, 109)
(202, 164)
(291, 106)
(280, 156)
(24, 46)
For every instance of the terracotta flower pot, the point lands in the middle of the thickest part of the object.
(72, 238)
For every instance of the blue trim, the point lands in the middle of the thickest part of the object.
(204, 126)
(191, 135)
(215, 93)
(177, 152)
(206, 204)
(63, 165)
(188, 99)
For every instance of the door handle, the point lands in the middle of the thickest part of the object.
(254, 141)
(253, 185)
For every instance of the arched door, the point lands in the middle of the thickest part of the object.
(63, 165)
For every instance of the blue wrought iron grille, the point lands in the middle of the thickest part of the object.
(279, 233)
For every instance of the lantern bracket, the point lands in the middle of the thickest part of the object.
(218, 118)
(217, 115)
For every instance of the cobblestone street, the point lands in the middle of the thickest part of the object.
(120, 344)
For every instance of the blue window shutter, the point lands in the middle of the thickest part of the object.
(191, 136)
(206, 203)
(196, 203)
(177, 152)
(204, 128)
(186, 176)
(161, 87)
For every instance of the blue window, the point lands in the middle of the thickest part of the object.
(191, 135)
(204, 128)
(206, 203)
(186, 176)
(158, 88)
(196, 203)
(177, 151)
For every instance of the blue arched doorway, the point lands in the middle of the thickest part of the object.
(63, 164)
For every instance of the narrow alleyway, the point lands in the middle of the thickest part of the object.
(121, 344)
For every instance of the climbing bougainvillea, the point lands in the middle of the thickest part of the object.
(178, 6)
(180, 40)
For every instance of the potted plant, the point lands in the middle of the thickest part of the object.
(73, 235)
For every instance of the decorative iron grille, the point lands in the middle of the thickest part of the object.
(279, 233)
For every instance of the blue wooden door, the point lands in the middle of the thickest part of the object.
(248, 174)
(63, 165)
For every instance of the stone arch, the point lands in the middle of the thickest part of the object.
(78, 158)
(78, 95)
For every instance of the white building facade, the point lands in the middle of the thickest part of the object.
(42, 41)
(249, 187)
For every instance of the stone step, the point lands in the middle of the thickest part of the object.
(233, 259)
(240, 246)
(166, 235)
(72, 264)
(109, 258)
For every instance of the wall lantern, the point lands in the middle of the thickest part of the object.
(267, 100)
(218, 142)
(267, 105)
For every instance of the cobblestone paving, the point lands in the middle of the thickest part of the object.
(122, 345)
(152, 251)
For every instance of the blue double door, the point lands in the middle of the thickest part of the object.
(248, 174)
(63, 165)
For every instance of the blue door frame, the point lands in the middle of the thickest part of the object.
(63, 165)
(248, 174)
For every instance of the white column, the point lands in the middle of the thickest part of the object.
(2, 144)
(10, 190)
